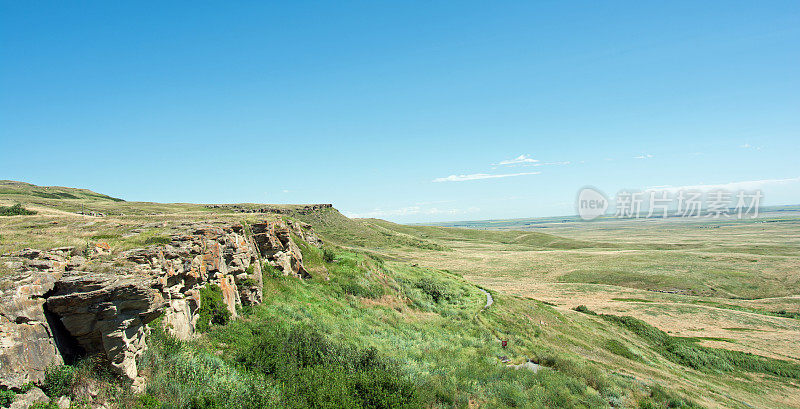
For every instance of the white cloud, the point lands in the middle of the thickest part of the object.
(741, 185)
(409, 211)
(526, 160)
(566, 162)
(478, 176)
(748, 146)
(519, 160)
(643, 156)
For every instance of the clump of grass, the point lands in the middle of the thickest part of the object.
(658, 398)
(59, 381)
(15, 210)
(328, 255)
(436, 289)
(105, 236)
(268, 270)
(787, 314)
(40, 405)
(362, 289)
(160, 240)
(618, 348)
(184, 376)
(6, 397)
(318, 372)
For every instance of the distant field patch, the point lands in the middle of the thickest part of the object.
(740, 329)
(632, 299)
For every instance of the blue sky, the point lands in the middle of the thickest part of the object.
(409, 111)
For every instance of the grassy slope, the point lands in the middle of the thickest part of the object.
(446, 348)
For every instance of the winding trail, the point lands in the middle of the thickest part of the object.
(489, 299)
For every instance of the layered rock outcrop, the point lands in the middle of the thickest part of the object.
(27, 344)
(61, 305)
(104, 314)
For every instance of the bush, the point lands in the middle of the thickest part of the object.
(16, 210)
(59, 381)
(147, 402)
(328, 255)
(584, 309)
(6, 397)
(319, 373)
(368, 290)
(213, 310)
(198, 379)
(620, 349)
(437, 290)
(268, 270)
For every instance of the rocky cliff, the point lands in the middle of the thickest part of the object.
(63, 304)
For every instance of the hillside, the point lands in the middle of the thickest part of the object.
(388, 315)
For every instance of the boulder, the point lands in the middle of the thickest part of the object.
(26, 400)
(274, 242)
(64, 402)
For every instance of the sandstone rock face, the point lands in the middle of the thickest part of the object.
(207, 255)
(105, 315)
(305, 232)
(27, 345)
(274, 242)
(55, 307)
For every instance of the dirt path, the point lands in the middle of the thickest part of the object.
(489, 299)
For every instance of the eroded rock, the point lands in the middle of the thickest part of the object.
(55, 308)
(105, 314)
(27, 345)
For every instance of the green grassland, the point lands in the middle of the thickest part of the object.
(393, 316)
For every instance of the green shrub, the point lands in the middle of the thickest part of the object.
(16, 210)
(620, 349)
(787, 314)
(213, 310)
(59, 381)
(436, 289)
(194, 378)
(319, 373)
(368, 290)
(147, 401)
(6, 397)
(584, 309)
(328, 255)
(270, 271)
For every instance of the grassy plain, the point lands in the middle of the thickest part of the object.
(412, 294)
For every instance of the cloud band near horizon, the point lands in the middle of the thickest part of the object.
(479, 176)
